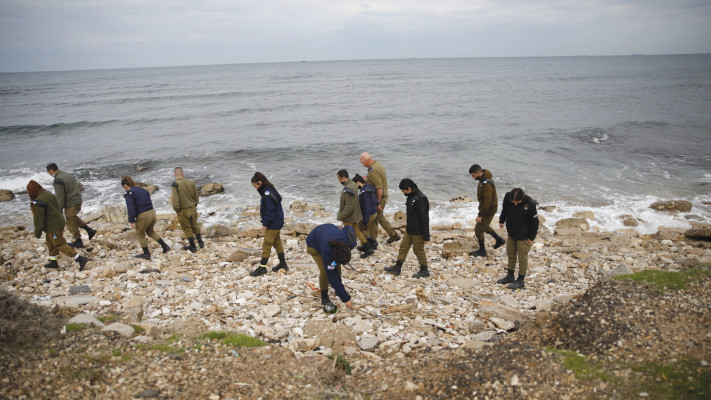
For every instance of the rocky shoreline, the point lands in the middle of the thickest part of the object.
(396, 318)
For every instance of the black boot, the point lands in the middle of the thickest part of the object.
(507, 279)
(146, 254)
(52, 264)
(395, 269)
(373, 243)
(77, 244)
(199, 240)
(367, 250)
(393, 238)
(261, 268)
(81, 260)
(518, 284)
(191, 247)
(499, 240)
(423, 273)
(162, 244)
(324, 297)
(481, 252)
(89, 231)
(282, 263)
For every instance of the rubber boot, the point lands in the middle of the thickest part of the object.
(162, 244)
(89, 231)
(261, 268)
(199, 240)
(77, 244)
(394, 238)
(191, 247)
(81, 260)
(367, 251)
(423, 273)
(373, 243)
(481, 252)
(146, 254)
(324, 297)
(282, 263)
(395, 269)
(509, 278)
(499, 240)
(52, 264)
(518, 284)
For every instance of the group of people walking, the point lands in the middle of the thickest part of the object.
(362, 203)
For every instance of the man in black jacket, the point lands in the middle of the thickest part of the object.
(417, 230)
(519, 213)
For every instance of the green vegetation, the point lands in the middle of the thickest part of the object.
(174, 338)
(137, 329)
(107, 319)
(684, 379)
(584, 368)
(233, 339)
(75, 327)
(342, 363)
(666, 280)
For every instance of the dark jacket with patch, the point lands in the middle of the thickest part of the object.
(418, 214)
(46, 214)
(138, 201)
(486, 195)
(521, 220)
(318, 239)
(368, 200)
(270, 208)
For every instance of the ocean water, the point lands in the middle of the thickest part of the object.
(608, 134)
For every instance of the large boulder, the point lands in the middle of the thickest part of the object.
(115, 214)
(219, 231)
(701, 233)
(672, 206)
(458, 247)
(302, 206)
(581, 223)
(211, 188)
(6, 195)
(588, 215)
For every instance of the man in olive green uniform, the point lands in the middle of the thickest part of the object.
(377, 178)
(349, 210)
(185, 200)
(488, 204)
(66, 189)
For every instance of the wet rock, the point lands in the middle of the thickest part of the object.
(580, 223)
(547, 208)
(6, 195)
(210, 189)
(302, 206)
(672, 206)
(630, 222)
(461, 199)
(588, 215)
(699, 233)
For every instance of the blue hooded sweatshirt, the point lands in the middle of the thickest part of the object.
(270, 208)
(368, 200)
(138, 201)
(318, 239)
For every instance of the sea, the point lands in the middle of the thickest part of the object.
(606, 134)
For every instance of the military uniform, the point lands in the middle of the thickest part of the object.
(322, 253)
(48, 219)
(185, 201)
(349, 211)
(141, 213)
(522, 225)
(417, 233)
(69, 199)
(488, 203)
(379, 180)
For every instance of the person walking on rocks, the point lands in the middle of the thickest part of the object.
(349, 212)
(486, 195)
(519, 213)
(417, 232)
(379, 180)
(272, 216)
(185, 201)
(141, 216)
(66, 189)
(48, 219)
(368, 201)
(330, 248)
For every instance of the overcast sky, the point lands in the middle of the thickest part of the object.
(89, 34)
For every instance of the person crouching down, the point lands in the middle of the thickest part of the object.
(417, 230)
(48, 219)
(330, 248)
(141, 216)
(519, 213)
(272, 221)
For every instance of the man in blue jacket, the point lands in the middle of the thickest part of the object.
(368, 201)
(330, 248)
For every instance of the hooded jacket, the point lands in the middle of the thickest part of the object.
(46, 215)
(417, 208)
(66, 189)
(521, 220)
(270, 208)
(318, 239)
(138, 201)
(486, 195)
(349, 209)
(368, 200)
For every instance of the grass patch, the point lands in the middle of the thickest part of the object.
(75, 327)
(233, 339)
(666, 280)
(684, 379)
(584, 368)
(107, 319)
(174, 338)
(342, 363)
(137, 329)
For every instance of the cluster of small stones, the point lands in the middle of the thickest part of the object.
(461, 305)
